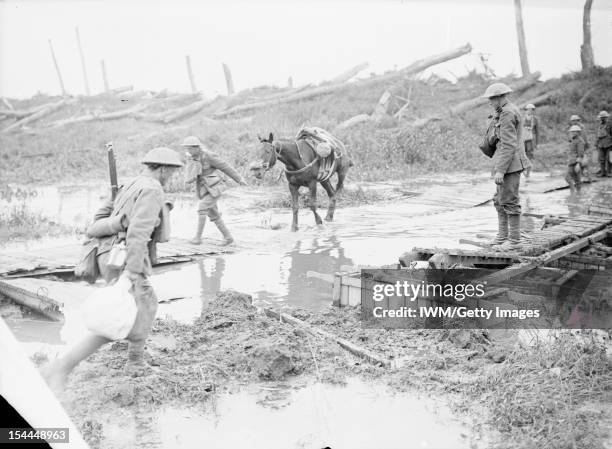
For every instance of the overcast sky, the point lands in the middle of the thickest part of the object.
(144, 43)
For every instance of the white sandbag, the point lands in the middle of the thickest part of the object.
(111, 311)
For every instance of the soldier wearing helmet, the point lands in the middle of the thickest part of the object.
(586, 160)
(133, 218)
(604, 143)
(203, 170)
(531, 134)
(574, 158)
(509, 161)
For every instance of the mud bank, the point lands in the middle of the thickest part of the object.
(516, 394)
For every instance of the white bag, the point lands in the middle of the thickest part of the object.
(111, 311)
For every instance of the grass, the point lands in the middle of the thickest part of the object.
(389, 150)
(543, 397)
(18, 221)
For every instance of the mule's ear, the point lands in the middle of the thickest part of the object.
(271, 138)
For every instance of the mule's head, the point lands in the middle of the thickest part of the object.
(266, 157)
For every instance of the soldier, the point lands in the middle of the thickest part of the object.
(509, 161)
(133, 216)
(604, 143)
(203, 170)
(575, 157)
(531, 134)
(586, 160)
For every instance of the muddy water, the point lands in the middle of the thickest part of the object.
(272, 264)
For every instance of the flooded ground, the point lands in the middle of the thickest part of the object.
(272, 264)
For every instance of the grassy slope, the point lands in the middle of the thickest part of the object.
(390, 150)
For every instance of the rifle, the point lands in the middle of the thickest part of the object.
(112, 169)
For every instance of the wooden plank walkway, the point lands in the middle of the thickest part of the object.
(63, 257)
(537, 243)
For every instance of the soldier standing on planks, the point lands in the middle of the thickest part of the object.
(604, 143)
(509, 161)
(203, 170)
(586, 160)
(575, 158)
(133, 217)
(531, 134)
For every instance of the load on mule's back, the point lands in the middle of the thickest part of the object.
(314, 156)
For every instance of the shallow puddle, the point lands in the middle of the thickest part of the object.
(352, 416)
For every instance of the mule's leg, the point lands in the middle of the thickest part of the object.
(331, 193)
(341, 175)
(312, 186)
(294, 189)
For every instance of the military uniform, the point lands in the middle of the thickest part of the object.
(509, 158)
(530, 135)
(137, 207)
(209, 183)
(575, 156)
(604, 146)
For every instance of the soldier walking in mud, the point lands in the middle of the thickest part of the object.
(574, 158)
(531, 132)
(203, 170)
(509, 161)
(586, 160)
(604, 143)
(133, 216)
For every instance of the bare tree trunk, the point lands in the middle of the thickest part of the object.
(228, 79)
(83, 67)
(586, 50)
(520, 32)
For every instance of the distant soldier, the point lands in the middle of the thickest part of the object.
(203, 170)
(575, 120)
(575, 157)
(133, 217)
(604, 143)
(510, 160)
(531, 134)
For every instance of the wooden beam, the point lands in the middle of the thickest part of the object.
(520, 32)
(35, 301)
(57, 69)
(104, 76)
(351, 347)
(83, 67)
(545, 258)
(190, 74)
(228, 79)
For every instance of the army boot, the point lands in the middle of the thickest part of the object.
(502, 228)
(198, 236)
(224, 231)
(514, 234)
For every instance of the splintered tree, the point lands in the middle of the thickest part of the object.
(586, 50)
(520, 32)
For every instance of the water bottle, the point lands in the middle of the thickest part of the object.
(117, 256)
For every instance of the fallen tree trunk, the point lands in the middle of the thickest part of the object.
(520, 85)
(345, 76)
(415, 67)
(541, 99)
(178, 113)
(106, 116)
(37, 115)
(21, 113)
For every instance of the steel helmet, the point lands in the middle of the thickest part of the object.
(162, 156)
(191, 141)
(497, 89)
(530, 106)
(603, 114)
(574, 117)
(575, 128)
